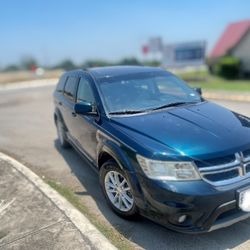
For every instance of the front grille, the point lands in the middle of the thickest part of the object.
(216, 161)
(222, 176)
(248, 167)
(225, 170)
(246, 153)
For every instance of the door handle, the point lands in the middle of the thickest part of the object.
(73, 114)
(60, 103)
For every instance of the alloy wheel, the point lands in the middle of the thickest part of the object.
(118, 191)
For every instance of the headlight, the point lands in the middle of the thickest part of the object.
(168, 170)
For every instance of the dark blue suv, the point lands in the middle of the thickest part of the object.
(161, 149)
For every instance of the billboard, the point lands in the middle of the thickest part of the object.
(184, 54)
(155, 44)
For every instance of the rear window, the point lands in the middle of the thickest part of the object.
(70, 87)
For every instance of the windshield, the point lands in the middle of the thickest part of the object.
(141, 92)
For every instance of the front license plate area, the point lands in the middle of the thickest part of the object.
(244, 200)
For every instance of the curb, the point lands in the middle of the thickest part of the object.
(78, 219)
(29, 84)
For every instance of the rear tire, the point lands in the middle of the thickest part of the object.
(61, 133)
(117, 190)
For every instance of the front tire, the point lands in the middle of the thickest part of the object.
(117, 190)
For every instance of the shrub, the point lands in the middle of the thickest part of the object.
(228, 67)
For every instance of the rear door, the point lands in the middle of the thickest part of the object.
(69, 102)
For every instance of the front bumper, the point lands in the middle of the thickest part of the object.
(228, 220)
(206, 207)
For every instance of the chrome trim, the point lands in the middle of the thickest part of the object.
(221, 171)
(240, 163)
(219, 167)
(246, 159)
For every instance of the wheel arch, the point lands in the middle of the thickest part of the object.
(112, 151)
(105, 155)
(58, 115)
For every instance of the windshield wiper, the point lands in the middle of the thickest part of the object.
(173, 104)
(126, 112)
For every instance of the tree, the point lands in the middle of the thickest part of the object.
(66, 64)
(129, 61)
(152, 63)
(28, 63)
(228, 67)
(96, 63)
(11, 67)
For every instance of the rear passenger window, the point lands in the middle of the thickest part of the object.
(70, 87)
(61, 83)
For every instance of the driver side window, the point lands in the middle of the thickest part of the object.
(84, 92)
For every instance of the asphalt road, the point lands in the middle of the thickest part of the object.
(27, 132)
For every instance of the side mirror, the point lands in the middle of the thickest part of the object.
(83, 108)
(198, 90)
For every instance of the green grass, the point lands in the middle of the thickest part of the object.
(2, 234)
(216, 83)
(110, 233)
(208, 82)
(193, 75)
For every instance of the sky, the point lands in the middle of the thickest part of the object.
(54, 30)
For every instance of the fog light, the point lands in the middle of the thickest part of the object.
(182, 218)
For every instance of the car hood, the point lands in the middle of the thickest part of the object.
(191, 130)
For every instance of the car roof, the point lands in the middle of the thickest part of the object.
(113, 71)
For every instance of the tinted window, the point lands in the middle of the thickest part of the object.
(70, 87)
(84, 92)
(61, 83)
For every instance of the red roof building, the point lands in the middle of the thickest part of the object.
(235, 41)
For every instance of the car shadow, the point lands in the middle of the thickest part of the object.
(143, 232)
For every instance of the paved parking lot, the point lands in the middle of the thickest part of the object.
(28, 134)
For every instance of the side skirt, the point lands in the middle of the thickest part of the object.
(83, 154)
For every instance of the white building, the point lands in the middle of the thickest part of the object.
(235, 41)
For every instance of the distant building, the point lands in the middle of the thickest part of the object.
(235, 41)
(176, 55)
(186, 54)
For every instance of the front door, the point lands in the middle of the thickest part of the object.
(85, 125)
